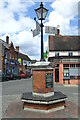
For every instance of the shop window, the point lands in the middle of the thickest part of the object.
(72, 73)
(78, 73)
(66, 73)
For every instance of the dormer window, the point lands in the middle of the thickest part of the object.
(56, 54)
(70, 54)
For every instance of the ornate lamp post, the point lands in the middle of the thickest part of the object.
(43, 98)
(41, 14)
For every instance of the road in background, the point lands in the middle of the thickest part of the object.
(14, 87)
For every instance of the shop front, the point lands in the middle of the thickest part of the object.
(11, 67)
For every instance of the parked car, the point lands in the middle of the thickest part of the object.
(5, 77)
(28, 73)
(11, 77)
(23, 74)
(16, 76)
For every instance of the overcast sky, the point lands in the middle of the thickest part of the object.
(17, 20)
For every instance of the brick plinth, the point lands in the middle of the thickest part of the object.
(43, 106)
(39, 81)
(39, 103)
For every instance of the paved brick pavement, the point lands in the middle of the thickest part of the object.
(7, 100)
(12, 106)
(15, 110)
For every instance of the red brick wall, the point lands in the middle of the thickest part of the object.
(74, 81)
(61, 73)
(43, 106)
(54, 76)
(39, 81)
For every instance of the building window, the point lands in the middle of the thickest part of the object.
(78, 73)
(56, 54)
(66, 73)
(72, 73)
(70, 54)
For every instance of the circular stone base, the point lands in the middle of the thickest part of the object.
(43, 104)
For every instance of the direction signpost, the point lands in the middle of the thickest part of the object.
(43, 98)
(50, 30)
(36, 32)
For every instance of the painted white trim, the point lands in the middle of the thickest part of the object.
(43, 94)
(42, 63)
(40, 102)
(49, 68)
(63, 53)
(45, 111)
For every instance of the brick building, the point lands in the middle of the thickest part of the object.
(9, 56)
(64, 51)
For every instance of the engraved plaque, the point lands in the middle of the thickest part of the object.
(49, 80)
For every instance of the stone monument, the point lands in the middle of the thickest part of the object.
(43, 98)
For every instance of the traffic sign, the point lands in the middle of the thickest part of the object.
(36, 32)
(50, 29)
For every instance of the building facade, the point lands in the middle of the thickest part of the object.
(24, 62)
(9, 57)
(64, 51)
(12, 61)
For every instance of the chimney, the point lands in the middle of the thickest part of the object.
(17, 48)
(58, 31)
(7, 39)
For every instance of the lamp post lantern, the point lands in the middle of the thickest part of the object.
(41, 14)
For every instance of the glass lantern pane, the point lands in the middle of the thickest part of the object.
(41, 13)
(44, 15)
(38, 15)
